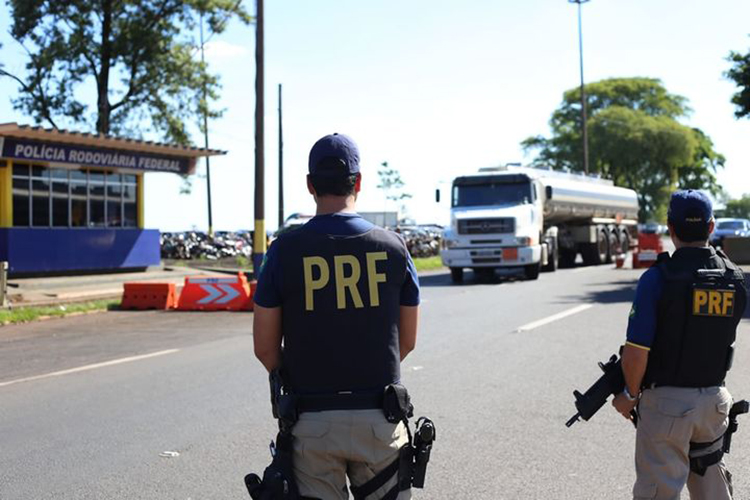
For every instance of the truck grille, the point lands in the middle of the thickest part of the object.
(487, 226)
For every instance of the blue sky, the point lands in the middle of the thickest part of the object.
(435, 88)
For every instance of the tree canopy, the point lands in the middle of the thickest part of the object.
(740, 74)
(138, 55)
(635, 139)
(737, 208)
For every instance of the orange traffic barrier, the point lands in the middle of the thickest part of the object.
(649, 248)
(215, 293)
(149, 296)
(253, 286)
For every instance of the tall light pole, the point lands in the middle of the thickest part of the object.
(584, 132)
(205, 136)
(281, 165)
(259, 236)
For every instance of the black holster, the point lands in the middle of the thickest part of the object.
(278, 478)
(700, 464)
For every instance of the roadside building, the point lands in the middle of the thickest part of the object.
(73, 201)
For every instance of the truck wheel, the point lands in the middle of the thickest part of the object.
(624, 242)
(595, 254)
(532, 271)
(613, 246)
(553, 258)
(457, 274)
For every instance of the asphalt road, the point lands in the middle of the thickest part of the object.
(88, 404)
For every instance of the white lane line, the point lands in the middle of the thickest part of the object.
(90, 367)
(554, 317)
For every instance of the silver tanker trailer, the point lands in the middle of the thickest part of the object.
(536, 219)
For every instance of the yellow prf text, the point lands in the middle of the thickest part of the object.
(347, 271)
(713, 302)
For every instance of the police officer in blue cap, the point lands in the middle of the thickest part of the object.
(342, 297)
(679, 348)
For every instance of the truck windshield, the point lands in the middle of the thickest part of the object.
(473, 195)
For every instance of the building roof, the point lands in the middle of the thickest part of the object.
(30, 132)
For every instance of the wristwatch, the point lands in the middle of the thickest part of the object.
(627, 394)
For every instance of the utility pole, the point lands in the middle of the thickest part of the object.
(584, 131)
(259, 239)
(281, 165)
(205, 136)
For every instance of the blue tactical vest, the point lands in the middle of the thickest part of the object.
(340, 309)
(702, 302)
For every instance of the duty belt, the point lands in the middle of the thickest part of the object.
(339, 401)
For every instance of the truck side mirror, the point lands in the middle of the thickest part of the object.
(548, 192)
(437, 196)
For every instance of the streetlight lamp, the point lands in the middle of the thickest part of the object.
(584, 132)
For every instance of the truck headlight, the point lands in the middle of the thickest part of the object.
(449, 243)
(525, 241)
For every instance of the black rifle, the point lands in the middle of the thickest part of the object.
(611, 383)
(738, 408)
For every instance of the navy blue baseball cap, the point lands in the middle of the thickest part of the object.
(334, 155)
(689, 207)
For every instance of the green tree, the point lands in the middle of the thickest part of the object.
(138, 56)
(635, 139)
(740, 74)
(737, 208)
(392, 185)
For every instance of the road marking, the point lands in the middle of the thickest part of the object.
(90, 367)
(554, 317)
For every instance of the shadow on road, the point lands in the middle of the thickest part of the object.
(470, 279)
(611, 293)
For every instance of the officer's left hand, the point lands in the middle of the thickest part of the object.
(624, 406)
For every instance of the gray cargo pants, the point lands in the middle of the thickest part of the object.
(330, 446)
(670, 418)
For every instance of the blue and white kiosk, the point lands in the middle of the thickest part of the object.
(73, 201)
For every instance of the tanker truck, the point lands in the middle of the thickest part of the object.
(535, 220)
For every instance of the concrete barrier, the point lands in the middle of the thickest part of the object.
(737, 249)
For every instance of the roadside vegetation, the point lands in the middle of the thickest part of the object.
(26, 314)
(428, 263)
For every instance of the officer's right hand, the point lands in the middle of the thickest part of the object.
(624, 406)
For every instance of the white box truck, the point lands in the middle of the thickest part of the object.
(535, 219)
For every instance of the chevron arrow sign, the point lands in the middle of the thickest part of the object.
(218, 294)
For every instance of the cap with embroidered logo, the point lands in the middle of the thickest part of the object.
(690, 207)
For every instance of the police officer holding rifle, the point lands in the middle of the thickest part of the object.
(679, 348)
(342, 297)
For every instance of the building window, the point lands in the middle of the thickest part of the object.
(21, 195)
(58, 197)
(130, 202)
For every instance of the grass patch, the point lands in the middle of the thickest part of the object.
(428, 263)
(25, 314)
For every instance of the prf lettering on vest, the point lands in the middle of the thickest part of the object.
(713, 302)
(347, 271)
